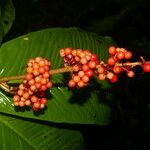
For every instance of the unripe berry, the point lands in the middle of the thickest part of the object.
(62, 52)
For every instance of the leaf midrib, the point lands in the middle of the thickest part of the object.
(18, 133)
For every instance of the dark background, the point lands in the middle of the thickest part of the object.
(127, 22)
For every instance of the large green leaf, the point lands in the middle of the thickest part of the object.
(88, 107)
(26, 135)
(7, 15)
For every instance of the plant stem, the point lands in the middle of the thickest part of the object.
(130, 64)
(20, 77)
(65, 69)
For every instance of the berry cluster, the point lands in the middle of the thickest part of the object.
(32, 91)
(115, 65)
(84, 64)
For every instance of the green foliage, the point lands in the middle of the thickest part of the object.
(16, 133)
(87, 106)
(7, 16)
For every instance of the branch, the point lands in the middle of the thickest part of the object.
(20, 77)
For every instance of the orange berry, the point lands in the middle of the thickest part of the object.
(71, 83)
(81, 83)
(92, 64)
(111, 61)
(81, 73)
(102, 76)
(128, 55)
(85, 79)
(112, 50)
(76, 78)
(110, 75)
(130, 74)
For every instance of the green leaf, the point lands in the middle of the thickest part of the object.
(26, 135)
(7, 15)
(84, 106)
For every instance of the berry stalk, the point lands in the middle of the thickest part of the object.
(21, 77)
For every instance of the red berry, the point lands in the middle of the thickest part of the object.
(36, 106)
(112, 50)
(128, 55)
(120, 55)
(85, 67)
(114, 79)
(110, 75)
(94, 57)
(16, 98)
(89, 73)
(34, 99)
(68, 51)
(85, 79)
(76, 68)
(81, 73)
(130, 74)
(92, 64)
(117, 69)
(146, 67)
(102, 76)
(43, 100)
(81, 83)
(76, 78)
(111, 61)
(29, 76)
(101, 70)
(72, 83)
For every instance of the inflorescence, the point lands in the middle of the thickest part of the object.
(82, 65)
